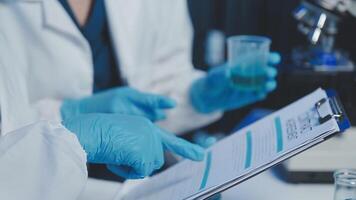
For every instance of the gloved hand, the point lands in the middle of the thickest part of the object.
(216, 92)
(122, 100)
(204, 139)
(131, 146)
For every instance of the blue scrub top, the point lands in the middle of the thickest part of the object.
(96, 31)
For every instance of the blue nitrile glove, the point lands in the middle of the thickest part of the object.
(131, 146)
(122, 100)
(204, 139)
(216, 92)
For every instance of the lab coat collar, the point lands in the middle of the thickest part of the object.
(123, 18)
(56, 19)
(125, 26)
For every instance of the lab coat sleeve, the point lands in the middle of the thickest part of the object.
(49, 109)
(41, 161)
(16, 108)
(174, 72)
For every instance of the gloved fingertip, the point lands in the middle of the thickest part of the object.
(160, 115)
(271, 72)
(158, 165)
(262, 97)
(210, 141)
(271, 85)
(274, 58)
(167, 103)
(182, 147)
(198, 154)
(204, 140)
(146, 171)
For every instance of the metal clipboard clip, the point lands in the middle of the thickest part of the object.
(336, 108)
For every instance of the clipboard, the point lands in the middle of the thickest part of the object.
(323, 111)
(338, 113)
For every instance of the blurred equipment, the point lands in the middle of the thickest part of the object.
(318, 20)
(215, 48)
(322, 64)
(345, 184)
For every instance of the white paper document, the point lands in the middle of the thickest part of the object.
(245, 151)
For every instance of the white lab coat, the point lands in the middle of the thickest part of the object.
(45, 59)
(41, 162)
(152, 40)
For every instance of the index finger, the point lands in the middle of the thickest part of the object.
(154, 101)
(182, 147)
(274, 58)
(271, 72)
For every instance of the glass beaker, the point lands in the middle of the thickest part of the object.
(345, 184)
(247, 59)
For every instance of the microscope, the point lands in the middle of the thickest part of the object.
(318, 20)
(321, 63)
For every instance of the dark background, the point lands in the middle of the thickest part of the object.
(271, 18)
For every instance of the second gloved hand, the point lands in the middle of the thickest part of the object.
(131, 146)
(216, 92)
(123, 100)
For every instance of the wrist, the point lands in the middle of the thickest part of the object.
(81, 126)
(69, 108)
(208, 93)
(199, 96)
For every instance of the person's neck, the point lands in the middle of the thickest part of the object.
(81, 10)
